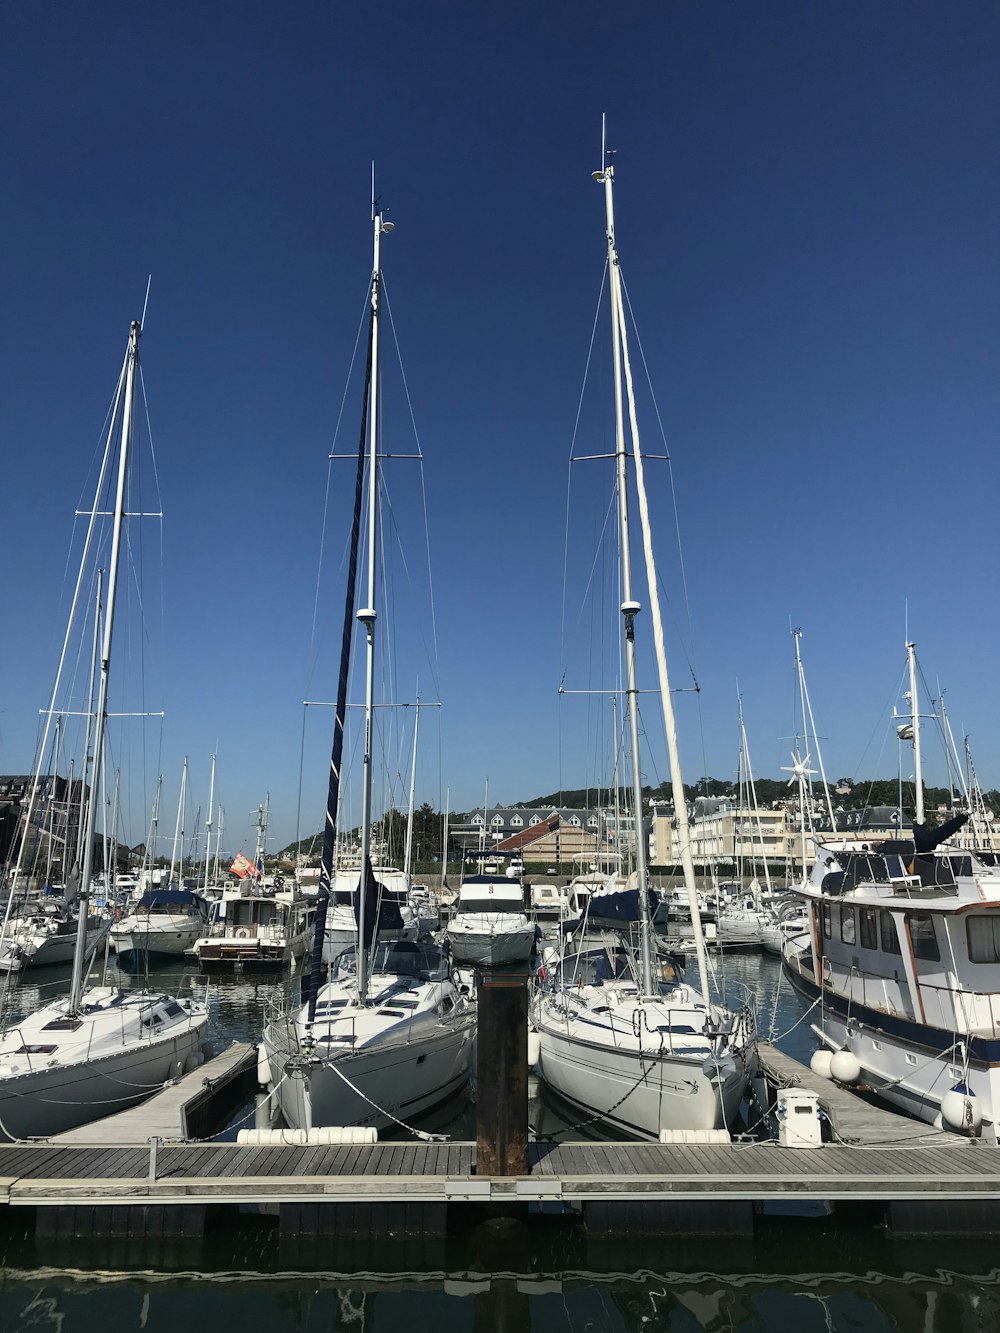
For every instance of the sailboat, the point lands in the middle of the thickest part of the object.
(99, 1048)
(389, 1035)
(629, 1041)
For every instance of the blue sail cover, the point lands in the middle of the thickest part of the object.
(171, 898)
(618, 903)
(381, 908)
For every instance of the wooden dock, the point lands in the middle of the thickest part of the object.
(172, 1113)
(853, 1119)
(124, 1177)
(611, 1185)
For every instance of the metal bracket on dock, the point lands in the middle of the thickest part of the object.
(467, 1189)
(499, 1187)
(154, 1143)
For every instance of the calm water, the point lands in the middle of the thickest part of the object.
(804, 1273)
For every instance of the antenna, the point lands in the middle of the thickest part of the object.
(149, 283)
(373, 189)
(604, 126)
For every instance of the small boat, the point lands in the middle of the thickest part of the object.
(397, 919)
(44, 932)
(163, 923)
(490, 927)
(398, 1052)
(259, 925)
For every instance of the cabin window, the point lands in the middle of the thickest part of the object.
(869, 928)
(890, 940)
(984, 938)
(922, 935)
(827, 912)
(848, 926)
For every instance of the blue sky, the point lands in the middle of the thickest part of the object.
(807, 199)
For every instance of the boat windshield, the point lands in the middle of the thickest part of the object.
(400, 958)
(489, 907)
(597, 967)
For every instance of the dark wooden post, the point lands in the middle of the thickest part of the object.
(502, 1073)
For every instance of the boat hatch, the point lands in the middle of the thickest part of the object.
(392, 1013)
(37, 1050)
(67, 1024)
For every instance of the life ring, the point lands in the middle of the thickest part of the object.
(242, 933)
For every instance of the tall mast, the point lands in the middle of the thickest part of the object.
(413, 788)
(90, 718)
(367, 615)
(178, 826)
(444, 849)
(218, 843)
(146, 870)
(208, 823)
(918, 776)
(629, 606)
(53, 805)
(100, 720)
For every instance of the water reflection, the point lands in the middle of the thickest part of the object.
(934, 1299)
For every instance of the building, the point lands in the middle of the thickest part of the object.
(551, 835)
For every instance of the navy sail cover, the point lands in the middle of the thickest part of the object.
(619, 902)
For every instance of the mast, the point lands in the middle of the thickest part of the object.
(178, 826)
(208, 824)
(629, 606)
(340, 712)
(745, 756)
(413, 788)
(100, 720)
(57, 755)
(263, 814)
(218, 843)
(146, 869)
(367, 615)
(444, 849)
(918, 777)
(90, 719)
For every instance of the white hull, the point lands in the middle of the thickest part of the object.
(37, 949)
(168, 938)
(674, 1094)
(403, 1079)
(46, 1091)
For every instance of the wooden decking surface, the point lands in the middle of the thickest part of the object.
(441, 1172)
(164, 1115)
(853, 1119)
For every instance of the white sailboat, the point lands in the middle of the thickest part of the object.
(389, 1034)
(634, 1044)
(97, 1049)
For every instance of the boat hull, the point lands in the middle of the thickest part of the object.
(50, 1100)
(403, 1079)
(609, 1083)
(909, 1065)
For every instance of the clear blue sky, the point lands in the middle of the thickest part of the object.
(807, 203)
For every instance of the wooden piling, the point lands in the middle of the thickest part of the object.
(502, 1073)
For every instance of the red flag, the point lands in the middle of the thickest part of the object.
(243, 866)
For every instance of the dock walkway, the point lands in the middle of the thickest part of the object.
(854, 1120)
(168, 1113)
(444, 1172)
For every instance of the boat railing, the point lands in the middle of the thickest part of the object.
(959, 1009)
